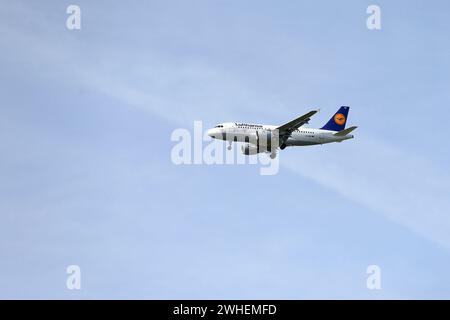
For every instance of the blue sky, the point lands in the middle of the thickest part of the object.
(87, 179)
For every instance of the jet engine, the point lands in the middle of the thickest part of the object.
(250, 149)
(267, 139)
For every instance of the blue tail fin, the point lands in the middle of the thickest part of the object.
(338, 121)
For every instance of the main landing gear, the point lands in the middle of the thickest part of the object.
(229, 145)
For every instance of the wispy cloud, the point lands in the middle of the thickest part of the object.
(402, 186)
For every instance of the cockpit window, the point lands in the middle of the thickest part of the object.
(219, 126)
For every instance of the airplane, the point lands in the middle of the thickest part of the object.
(259, 138)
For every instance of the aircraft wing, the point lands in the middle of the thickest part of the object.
(293, 125)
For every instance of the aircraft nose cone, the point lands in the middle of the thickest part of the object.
(211, 133)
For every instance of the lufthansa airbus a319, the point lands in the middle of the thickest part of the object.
(259, 138)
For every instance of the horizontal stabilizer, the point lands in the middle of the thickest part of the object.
(345, 131)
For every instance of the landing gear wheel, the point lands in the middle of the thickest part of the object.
(283, 146)
(273, 155)
(229, 146)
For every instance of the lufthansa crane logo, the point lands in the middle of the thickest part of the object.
(339, 118)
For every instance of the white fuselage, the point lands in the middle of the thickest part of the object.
(301, 137)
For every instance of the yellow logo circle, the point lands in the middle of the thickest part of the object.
(339, 118)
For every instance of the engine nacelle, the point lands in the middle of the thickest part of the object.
(267, 139)
(249, 150)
